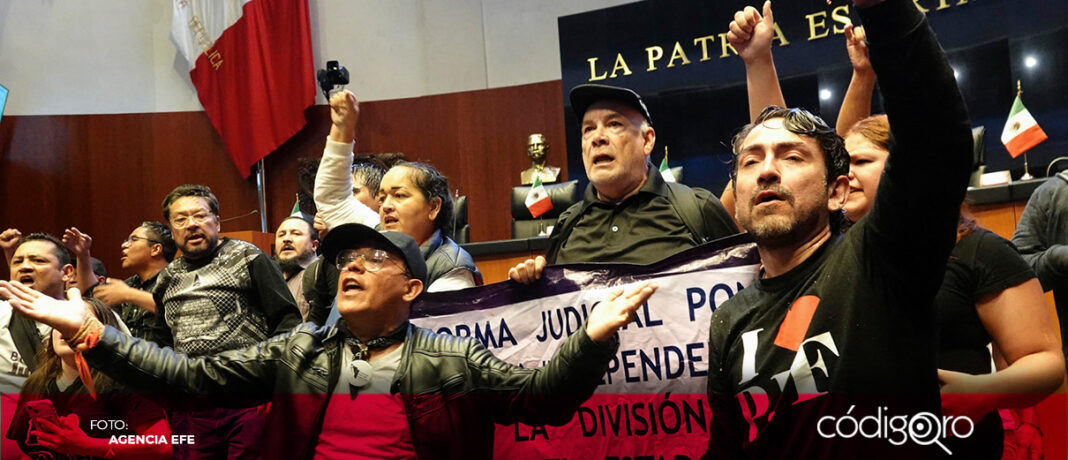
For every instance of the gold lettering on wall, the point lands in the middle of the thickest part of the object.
(704, 46)
(821, 24)
(654, 54)
(620, 64)
(725, 46)
(814, 24)
(840, 15)
(779, 36)
(593, 71)
(678, 53)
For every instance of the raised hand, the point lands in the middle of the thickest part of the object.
(616, 311)
(8, 239)
(320, 226)
(857, 48)
(344, 114)
(65, 316)
(750, 33)
(77, 243)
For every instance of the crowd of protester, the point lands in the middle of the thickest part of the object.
(263, 356)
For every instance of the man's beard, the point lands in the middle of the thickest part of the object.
(780, 230)
(292, 265)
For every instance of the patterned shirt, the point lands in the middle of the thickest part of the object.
(233, 298)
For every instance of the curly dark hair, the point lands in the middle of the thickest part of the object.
(433, 184)
(183, 191)
(803, 123)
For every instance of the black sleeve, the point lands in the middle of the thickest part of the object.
(1047, 258)
(237, 378)
(912, 226)
(727, 431)
(162, 280)
(717, 221)
(273, 294)
(998, 266)
(548, 395)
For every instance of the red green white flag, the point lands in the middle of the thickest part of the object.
(1021, 130)
(538, 199)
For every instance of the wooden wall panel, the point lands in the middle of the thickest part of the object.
(107, 173)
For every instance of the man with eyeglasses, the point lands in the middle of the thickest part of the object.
(220, 294)
(840, 328)
(146, 251)
(371, 385)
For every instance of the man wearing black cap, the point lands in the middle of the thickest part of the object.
(371, 385)
(628, 214)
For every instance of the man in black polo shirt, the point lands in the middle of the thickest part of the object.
(628, 214)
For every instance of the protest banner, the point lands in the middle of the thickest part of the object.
(652, 399)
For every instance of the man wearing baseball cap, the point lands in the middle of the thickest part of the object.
(372, 385)
(628, 214)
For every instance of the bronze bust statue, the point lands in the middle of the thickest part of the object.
(537, 150)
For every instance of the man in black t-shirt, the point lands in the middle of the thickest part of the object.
(840, 327)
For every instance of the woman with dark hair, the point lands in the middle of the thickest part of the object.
(81, 400)
(415, 200)
(989, 295)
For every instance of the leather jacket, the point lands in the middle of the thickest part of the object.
(443, 255)
(454, 390)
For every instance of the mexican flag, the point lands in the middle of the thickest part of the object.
(1021, 131)
(665, 171)
(251, 64)
(296, 209)
(538, 199)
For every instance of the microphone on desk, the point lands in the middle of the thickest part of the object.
(254, 211)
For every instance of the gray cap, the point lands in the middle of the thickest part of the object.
(583, 96)
(349, 236)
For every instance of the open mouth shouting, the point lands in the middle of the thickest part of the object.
(390, 221)
(601, 159)
(350, 285)
(770, 197)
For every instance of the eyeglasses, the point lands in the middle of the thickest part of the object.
(134, 238)
(185, 221)
(373, 259)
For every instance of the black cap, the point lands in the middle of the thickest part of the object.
(583, 96)
(349, 236)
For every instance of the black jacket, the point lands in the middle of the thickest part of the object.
(1042, 238)
(454, 390)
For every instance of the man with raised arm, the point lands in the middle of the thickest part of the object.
(842, 326)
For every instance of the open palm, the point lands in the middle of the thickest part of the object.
(64, 316)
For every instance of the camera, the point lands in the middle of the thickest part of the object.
(332, 77)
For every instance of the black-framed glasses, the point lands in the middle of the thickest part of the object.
(373, 259)
(134, 238)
